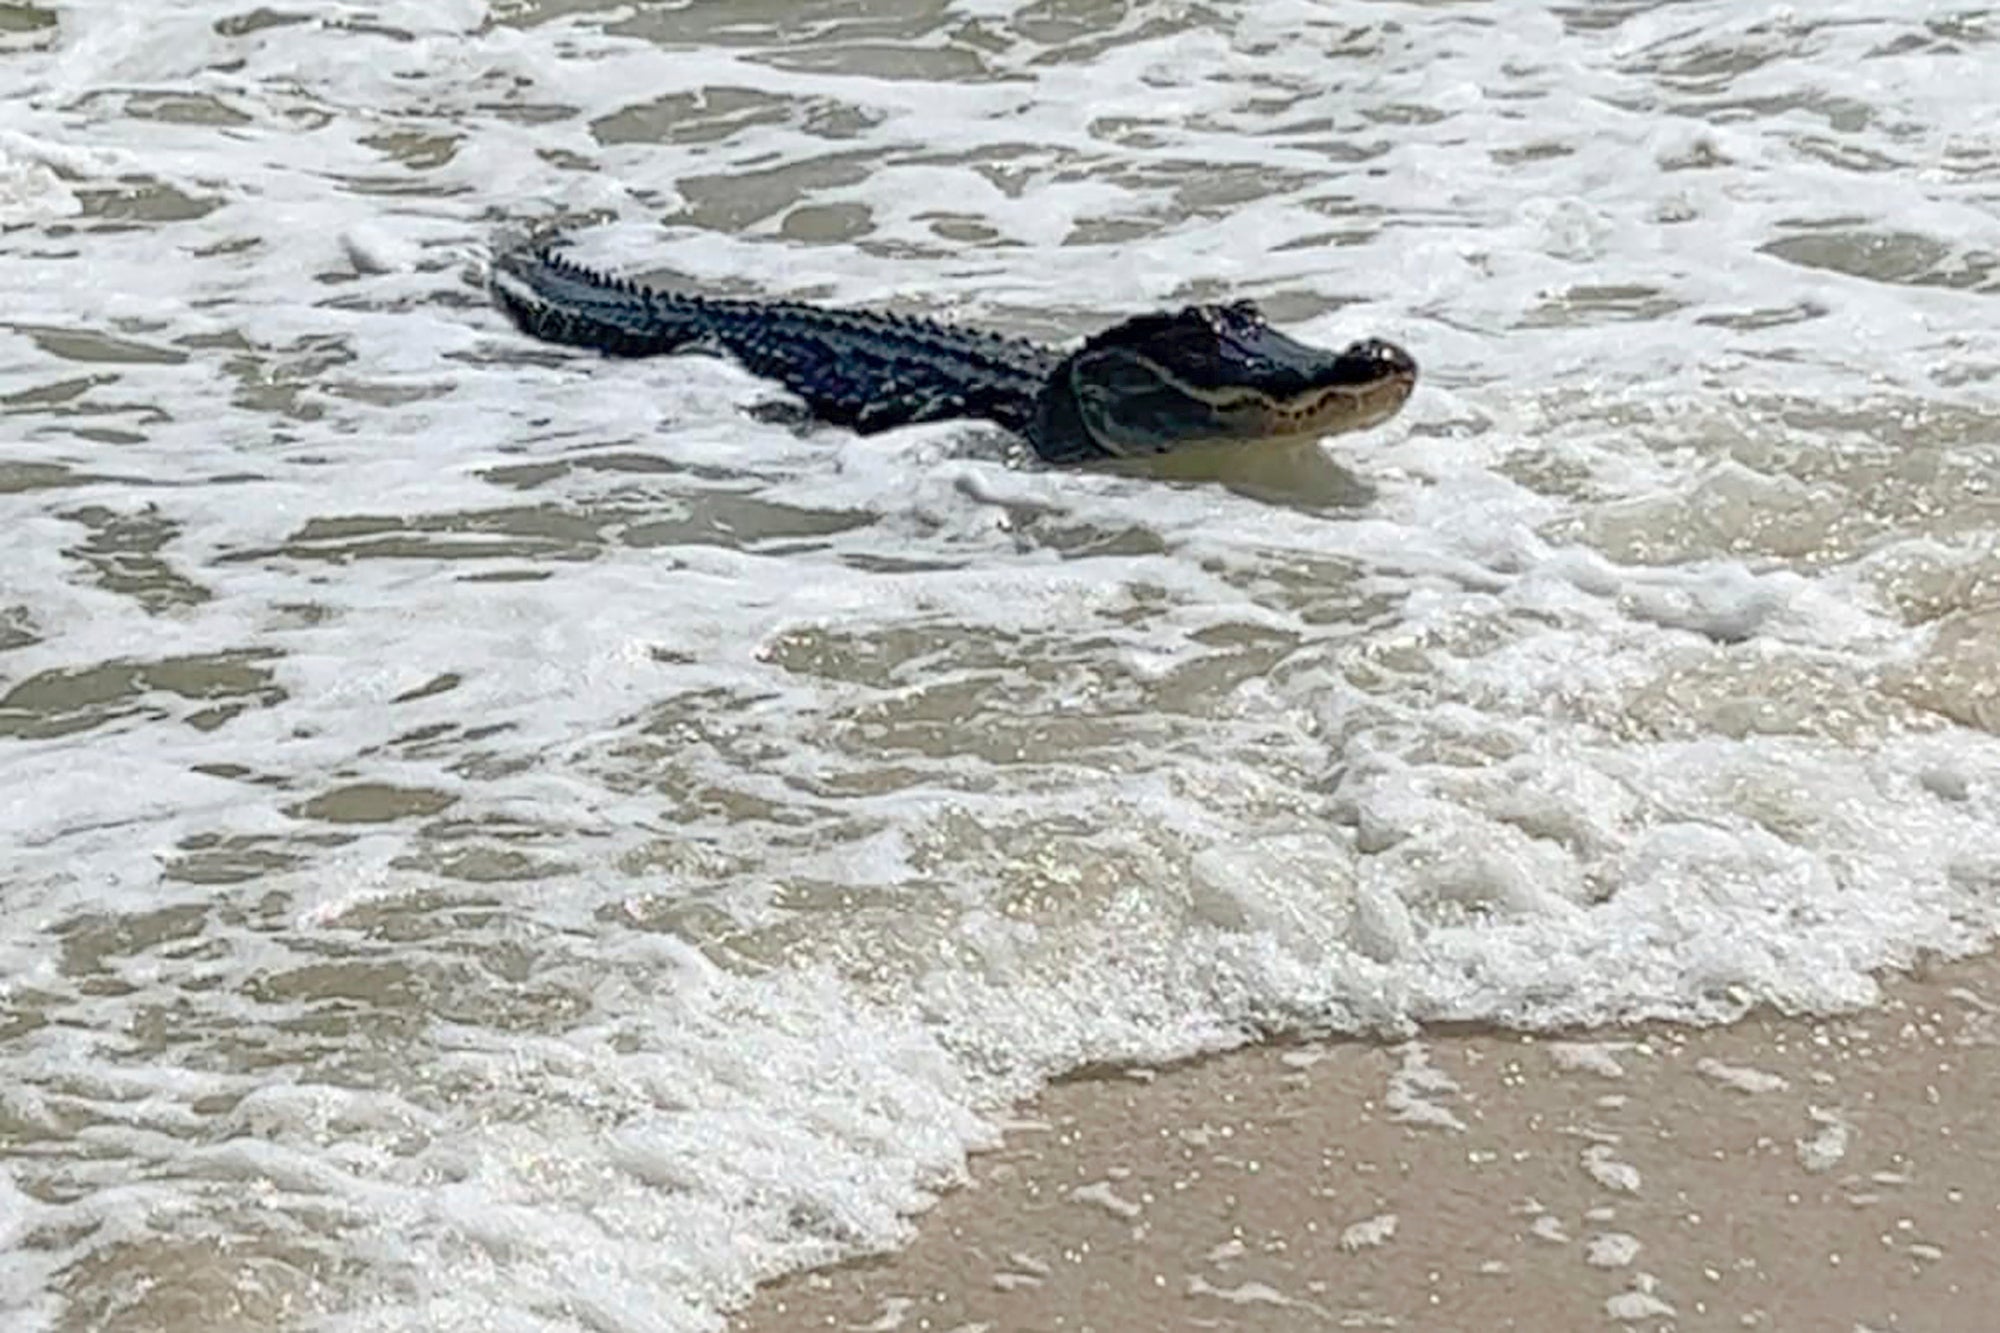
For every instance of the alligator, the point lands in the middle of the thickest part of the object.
(1200, 376)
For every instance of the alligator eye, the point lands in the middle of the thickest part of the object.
(1392, 359)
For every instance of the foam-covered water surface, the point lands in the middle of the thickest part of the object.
(497, 838)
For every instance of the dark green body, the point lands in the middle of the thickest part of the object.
(860, 369)
(1202, 375)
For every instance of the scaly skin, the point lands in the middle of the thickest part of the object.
(1154, 384)
(867, 371)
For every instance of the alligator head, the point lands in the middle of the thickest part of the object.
(1212, 374)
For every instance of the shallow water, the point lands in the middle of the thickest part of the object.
(502, 839)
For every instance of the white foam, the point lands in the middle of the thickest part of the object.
(1595, 1057)
(1611, 1249)
(1415, 1091)
(1741, 1078)
(1827, 1147)
(1609, 1172)
(776, 808)
(1369, 1233)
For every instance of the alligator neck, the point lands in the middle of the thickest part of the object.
(860, 369)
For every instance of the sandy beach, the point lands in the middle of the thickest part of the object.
(1839, 1174)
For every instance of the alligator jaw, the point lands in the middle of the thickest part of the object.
(1362, 387)
(1215, 376)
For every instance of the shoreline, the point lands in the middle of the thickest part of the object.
(1777, 1173)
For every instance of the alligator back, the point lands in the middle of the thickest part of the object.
(860, 369)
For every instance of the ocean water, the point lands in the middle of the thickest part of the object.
(493, 838)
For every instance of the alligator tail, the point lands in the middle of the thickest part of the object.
(560, 301)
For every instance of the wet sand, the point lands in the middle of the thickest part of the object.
(1838, 1174)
